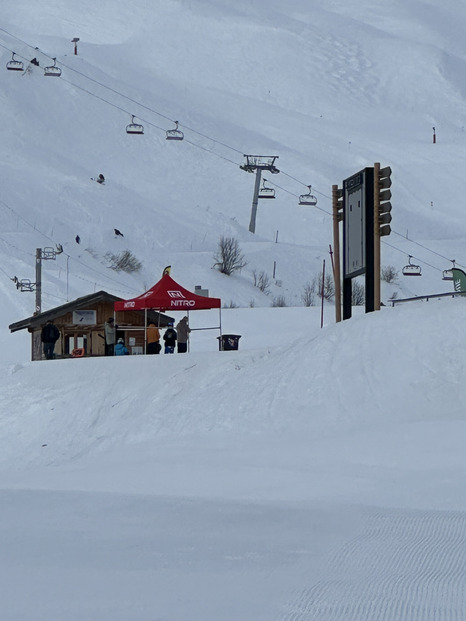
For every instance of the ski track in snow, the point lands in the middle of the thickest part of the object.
(402, 566)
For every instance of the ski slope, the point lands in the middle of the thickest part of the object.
(315, 473)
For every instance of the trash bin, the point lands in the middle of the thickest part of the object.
(228, 342)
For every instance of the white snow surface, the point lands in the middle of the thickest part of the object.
(317, 473)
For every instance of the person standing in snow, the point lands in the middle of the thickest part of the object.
(170, 339)
(49, 336)
(183, 330)
(110, 336)
(153, 339)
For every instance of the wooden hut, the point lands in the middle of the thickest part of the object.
(81, 326)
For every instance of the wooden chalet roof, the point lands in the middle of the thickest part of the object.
(59, 311)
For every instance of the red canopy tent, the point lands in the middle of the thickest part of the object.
(168, 295)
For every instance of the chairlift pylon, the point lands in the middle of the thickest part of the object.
(134, 128)
(14, 65)
(174, 134)
(53, 70)
(410, 269)
(308, 199)
(266, 192)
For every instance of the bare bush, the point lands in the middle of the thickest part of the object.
(229, 258)
(389, 274)
(261, 280)
(279, 301)
(358, 294)
(328, 288)
(308, 295)
(231, 305)
(123, 262)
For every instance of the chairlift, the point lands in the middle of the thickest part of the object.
(53, 70)
(448, 274)
(410, 269)
(308, 199)
(48, 253)
(134, 128)
(14, 65)
(26, 285)
(175, 134)
(266, 192)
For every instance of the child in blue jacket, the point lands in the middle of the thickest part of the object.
(121, 349)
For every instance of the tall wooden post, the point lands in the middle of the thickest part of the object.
(337, 216)
(376, 236)
(322, 296)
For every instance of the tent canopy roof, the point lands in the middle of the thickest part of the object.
(167, 294)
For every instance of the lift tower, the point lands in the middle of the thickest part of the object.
(256, 164)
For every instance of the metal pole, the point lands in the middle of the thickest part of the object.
(67, 277)
(336, 248)
(38, 281)
(252, 223)
(322, 294)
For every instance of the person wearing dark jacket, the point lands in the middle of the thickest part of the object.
(49, 336)
(170, 339)
(183, 330)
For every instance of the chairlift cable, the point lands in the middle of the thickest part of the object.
(88, 267)
(412, 256)
(328, 213)
(422, 246)
(222, 157)
(164, 116)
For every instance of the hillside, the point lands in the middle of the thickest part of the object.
(327, 90)
(315, 473)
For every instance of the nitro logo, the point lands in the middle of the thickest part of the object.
(175, 303)
(130, 304)
(176, 294)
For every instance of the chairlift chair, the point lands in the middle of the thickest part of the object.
(448, 274)
(134, 128)
(308, 199)
(14, 65)
(175, 134)
(410, 269)
(53, 70)
(26, 285)
(266, 192)
(48, 253)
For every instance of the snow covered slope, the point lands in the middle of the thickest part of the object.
(314, 473)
